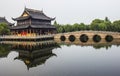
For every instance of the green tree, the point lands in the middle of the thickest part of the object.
(95, 24)
(82, 26)
(107, 19)
(102, 27)
(55, 22)
(79, 27)
(68, 28)
(4, 29)
(76, 27)
(108, 24)
(61, 29)
(116, 25)
(87, 27)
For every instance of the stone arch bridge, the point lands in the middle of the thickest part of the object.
(84, 36)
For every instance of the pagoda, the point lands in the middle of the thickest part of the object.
(33, 22)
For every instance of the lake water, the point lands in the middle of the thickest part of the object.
(59, 59)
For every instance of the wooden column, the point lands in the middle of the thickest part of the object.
(40, 31)
(27, 31)
(48, 31)
(30, 31)
(16, 32)
(12, 33)
(33, 32)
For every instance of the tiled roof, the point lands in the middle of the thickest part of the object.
(35, 14)
(3, 20)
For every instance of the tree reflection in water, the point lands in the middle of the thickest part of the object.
(4, 50)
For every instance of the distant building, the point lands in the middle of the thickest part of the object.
(33, 22)
(3, 20)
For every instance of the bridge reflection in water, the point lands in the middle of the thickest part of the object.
(31, 53)
(96, 45)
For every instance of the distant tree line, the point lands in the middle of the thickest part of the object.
(95, 25)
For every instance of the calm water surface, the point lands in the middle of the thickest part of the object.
(59, 60)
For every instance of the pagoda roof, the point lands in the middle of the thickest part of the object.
(33, 26)
(35, 14)
(34, 62)
(3, 20)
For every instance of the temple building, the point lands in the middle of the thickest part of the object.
(33, 22)
(3, 20)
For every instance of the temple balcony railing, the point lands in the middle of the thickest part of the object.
(25, 36)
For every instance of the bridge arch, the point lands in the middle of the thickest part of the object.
(109, 38)
(62, 38)
(84, 38)
(96, 38)
(72, 38)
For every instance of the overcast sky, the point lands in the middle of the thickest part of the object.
(65, 11)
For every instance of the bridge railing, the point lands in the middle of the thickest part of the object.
(90, 31)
